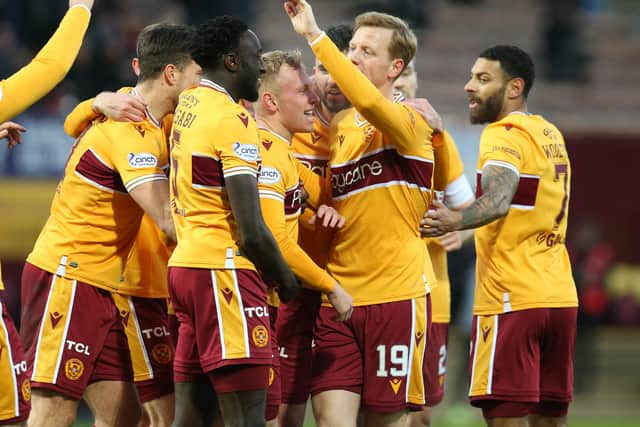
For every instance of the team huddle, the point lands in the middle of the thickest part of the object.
(233, 237)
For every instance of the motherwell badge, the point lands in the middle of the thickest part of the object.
(73, 369)
(260, 336)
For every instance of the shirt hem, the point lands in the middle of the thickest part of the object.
(500, 309)
(356, 303)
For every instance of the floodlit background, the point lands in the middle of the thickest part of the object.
(587, 54)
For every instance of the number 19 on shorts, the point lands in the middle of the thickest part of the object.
(398, 361)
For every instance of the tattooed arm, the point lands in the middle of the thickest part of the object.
(499, 184)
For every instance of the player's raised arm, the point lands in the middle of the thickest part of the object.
(50, 65)
(370, 95)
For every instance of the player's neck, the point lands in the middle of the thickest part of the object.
(223, 79)
(387, 89)
(159, 99)
(519, 107)
(272, 124)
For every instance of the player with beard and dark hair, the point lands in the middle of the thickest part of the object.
(219, 297)
(525, 305)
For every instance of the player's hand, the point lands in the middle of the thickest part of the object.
(11, 131)
(439, 220)
(288, 287)
(121, 107)
(428, 113)
(451, 241)
(88, 3)
(304, 196)
(302, 19)
(341, 302)
(329, 216)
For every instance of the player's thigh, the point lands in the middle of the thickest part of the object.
(113, 403)
(243, 408)
(394, 339)
(336, 408)
(292, 415)
(196, 404)
(15, 399)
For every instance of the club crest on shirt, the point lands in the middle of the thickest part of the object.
(142, 160)
(269, 175)
(248, 152)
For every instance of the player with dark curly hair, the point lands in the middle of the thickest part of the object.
(219, 297)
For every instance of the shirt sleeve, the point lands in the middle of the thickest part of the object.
(272, 199)
(237, 148)
(79, 118)
(501, 145)
(48, 68)
(137, 159)
(395, 120)
(318, 188)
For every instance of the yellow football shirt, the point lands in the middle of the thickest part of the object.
(522, 260)
(280, 199)
(146, 269)
(381, 176)
(94, 221)
(312, 151)
(212, 138)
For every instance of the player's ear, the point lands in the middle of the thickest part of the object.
(135, 64)
(515, 87)
(170, 74)
(396, 68)
(231, 61)
(269, 102)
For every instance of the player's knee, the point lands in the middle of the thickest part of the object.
(420, 419)
(51, 409)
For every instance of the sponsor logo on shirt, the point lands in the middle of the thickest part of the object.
(356, 175)
(269, 175)
(248, 152)
(142, 160)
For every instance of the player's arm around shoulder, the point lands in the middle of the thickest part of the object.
(500, 160)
